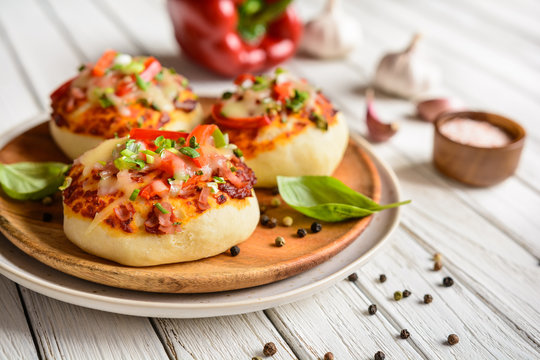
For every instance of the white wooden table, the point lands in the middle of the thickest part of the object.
(489, 54)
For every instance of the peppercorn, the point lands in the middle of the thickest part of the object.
(372, 309)
(47, 217)
(353, 277)
(437, 257)
(405, 334)
(448, 281)
(328, 356)
(301, 232)
(47, 200)
(263, 208)
(269, 349)
(453, 339)
(437, 265)
(316, 227)
(406, 293)
(265, 219)
(235, 250)
(382, 278)
(275, 191)
(428, 299)
(272, 223)
(275, 202)
(287, 221)
(379, 355)
(280, 241)
(256, 358)
(398, 295)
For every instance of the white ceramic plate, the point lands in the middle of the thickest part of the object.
(38, 277)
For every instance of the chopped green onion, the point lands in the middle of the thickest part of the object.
(181, 141)
(319, 121)
(149, 159)
(177, 223)
(170, 180)
(260, 83)
(159, 76)
(172, 71)
(192, 153)
(173, 150)
(213, 187)
(102, 162)
(109, 90)
(66, 184)
(127, 152)
(233, 168)
(238, 153)
(155, 106)
(226, 95)
(219, 180)
(219, 139)
(104, 101)
(143, 85)
(280, 71)
(296, 103)
(161, 208)
(134, 194)
(199, 172)
(149, 152)
(185, 82)
(143, 102)
(82, 67)
(193, 143)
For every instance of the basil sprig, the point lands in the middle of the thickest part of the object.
(32, 180)
(326, 198)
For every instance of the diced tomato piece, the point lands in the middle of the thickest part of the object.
(243, 77)
(152, 67)
(104, 62)
(124, 87)
(239, 123)
(151, 134)
(281, 92)
(171, 164)
(156, 187)
(202, 160)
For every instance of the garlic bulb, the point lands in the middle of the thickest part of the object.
(332, 34)
(405, 73)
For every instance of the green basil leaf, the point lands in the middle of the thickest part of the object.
(326, 198)
(32, 181)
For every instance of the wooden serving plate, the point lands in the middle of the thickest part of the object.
(259, 262)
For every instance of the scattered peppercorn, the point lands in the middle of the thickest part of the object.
(265, 219)
(353, 277)
(275, 202)
(328, 356)
(235, 250)
(453, 339)
(437, 257)
(269, 349)
(316, 227)
(47, 200)
(428, 299)
(398, 295)
(448, 281)
(47, 217)
(275, 191)
(372, 309)
(256, 358)
(263, 208)
(287, 221)
(379, 355)
(382, 278)
(437, 265)
(280, 241)
(404, 334)
(406, 293)
(301, 232)
(272, 223)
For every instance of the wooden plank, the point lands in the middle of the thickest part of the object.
(66, 331)
(225, 337)
(337, 320)
(453, 310)
(15, 336)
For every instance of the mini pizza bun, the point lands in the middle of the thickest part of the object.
(211, 233)
(75, 144)
(312, 152)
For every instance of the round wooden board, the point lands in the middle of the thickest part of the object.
(259, 262)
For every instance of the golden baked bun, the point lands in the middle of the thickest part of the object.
(118, 93)
(160, 197)
(283, 126)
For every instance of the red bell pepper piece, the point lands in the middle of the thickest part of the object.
(104, 62)
(282, 92)
(152, 67)
(151, 134)
(215, 33)
(238, 123)
(202, 134)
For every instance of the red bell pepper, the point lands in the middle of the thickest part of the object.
(231, 37)
(104, 62)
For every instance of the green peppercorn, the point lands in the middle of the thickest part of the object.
(448, 281)
(406, 293)
(379, 355)
(453, 339)
(287, 221)
(235, 250)
(353, 277)
(405, 334)
(275, 202)
(301, 233)
(382, 278)
(428, 299)
(280, 241)
(372, 309)
(398, 295)
(316, 227)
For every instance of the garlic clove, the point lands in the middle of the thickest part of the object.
(332, 34)
(429, 110)
(378, 131)
(406, 74)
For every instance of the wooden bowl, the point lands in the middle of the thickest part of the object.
(478, 166)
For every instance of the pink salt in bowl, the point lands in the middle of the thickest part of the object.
(477, 148)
